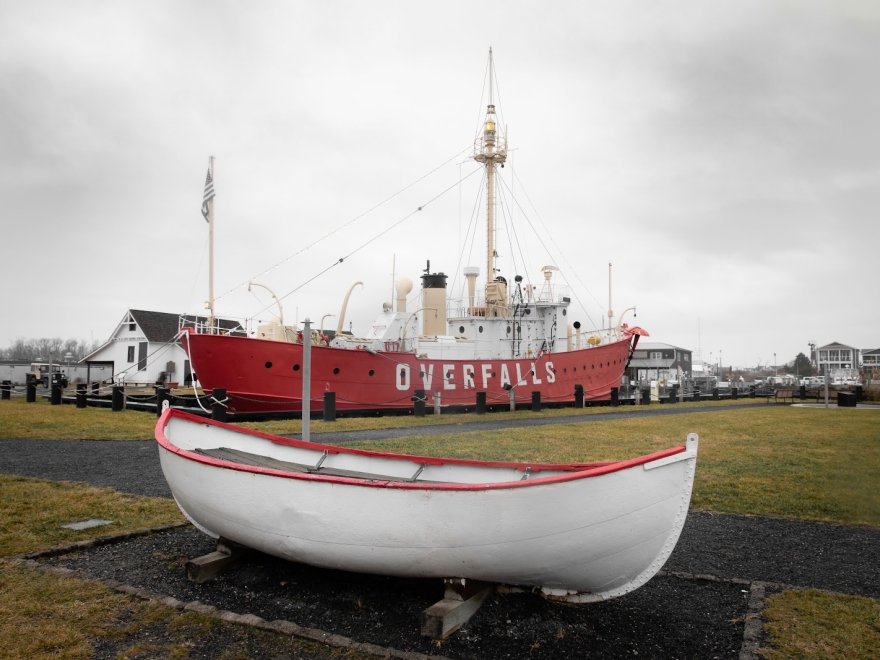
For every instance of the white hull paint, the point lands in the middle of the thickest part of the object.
(583, 533)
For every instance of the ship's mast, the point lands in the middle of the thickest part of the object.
(492, 151)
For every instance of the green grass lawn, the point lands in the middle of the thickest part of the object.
(804, 463)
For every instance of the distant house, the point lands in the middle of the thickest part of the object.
(871, 363)
(871, 358)
(143, 348)
(660, 362)
(839, 361)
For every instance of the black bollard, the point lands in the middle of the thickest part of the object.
(117, 399)
(162, 395)
(481, 403)
(615, 396)
(646, 396)
(578, 396)
(536, 402)
(55, 394)
(31, 393)
(734, 393)
(419, 399)
(696, 394)
(218, 407)
(329, 406)
(715, 393)
(7, 390)
(802, 392)
(81, 401)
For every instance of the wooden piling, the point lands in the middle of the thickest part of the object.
(329, 406)
(419, 399)
(218, 407)
(117, 399)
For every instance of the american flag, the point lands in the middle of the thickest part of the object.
(209, 194)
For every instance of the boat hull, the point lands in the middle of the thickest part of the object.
(265, 376)
(583, 533)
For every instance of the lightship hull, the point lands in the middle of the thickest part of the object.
(265, 376)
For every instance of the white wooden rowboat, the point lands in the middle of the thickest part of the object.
(582, 532)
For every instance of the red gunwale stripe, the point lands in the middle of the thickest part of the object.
(575, 471)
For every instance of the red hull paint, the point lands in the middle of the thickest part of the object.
(265, 376)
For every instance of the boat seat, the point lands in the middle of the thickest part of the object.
(257, 460)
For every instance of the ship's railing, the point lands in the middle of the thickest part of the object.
(593, 338)
(215, 326)
(554, 295)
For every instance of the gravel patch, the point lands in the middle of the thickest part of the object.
(699, 606)
(669, 617)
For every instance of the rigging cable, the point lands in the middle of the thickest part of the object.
(374, 238)
(343, 226)
(549, 253)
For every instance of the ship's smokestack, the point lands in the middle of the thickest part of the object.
(402, 288)
(470, 274)
(434, 292)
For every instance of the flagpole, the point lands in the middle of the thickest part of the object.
(211, 251)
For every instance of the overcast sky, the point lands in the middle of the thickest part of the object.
(724, 156)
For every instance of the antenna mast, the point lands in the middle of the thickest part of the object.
(492, 152)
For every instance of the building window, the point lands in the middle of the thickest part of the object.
(131, 353)
(655, 355)
(131, 327)
(142, 356)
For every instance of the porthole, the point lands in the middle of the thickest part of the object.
(564, 312)
(268, 365)
(508, 329)
(461, 329)
(335, 370)
(371, 373)
(480, 328)
(296, 367)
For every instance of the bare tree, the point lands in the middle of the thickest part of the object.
(47, 348)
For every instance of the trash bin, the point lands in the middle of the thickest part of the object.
(846, 399)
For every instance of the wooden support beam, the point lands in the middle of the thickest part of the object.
(461, 601)
(204, 568)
